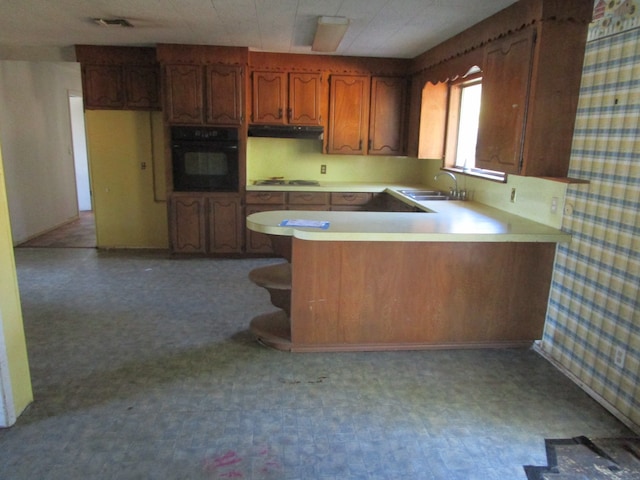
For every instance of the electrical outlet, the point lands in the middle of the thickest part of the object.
(323, 169)
(554, 205)
(513, 195)
(619, 357)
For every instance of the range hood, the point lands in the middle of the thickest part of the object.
(286, 131)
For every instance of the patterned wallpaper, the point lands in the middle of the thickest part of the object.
(613, 16)
(594, 311)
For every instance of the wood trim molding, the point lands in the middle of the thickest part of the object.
(201, 54)
(514, 18)
(288, 62)
(108, 55)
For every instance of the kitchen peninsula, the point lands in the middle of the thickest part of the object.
(453, 275)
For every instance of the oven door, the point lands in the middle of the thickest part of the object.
(205, 167)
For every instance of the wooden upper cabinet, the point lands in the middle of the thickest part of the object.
(387, 116)
(142, 86)
(348, 114)
(103, 86)
(119, 78)
(269, 98)
(367, 115)
(183, 91)
(286, 98)
(505, 93)
(224, 95)
(186, 94)
(305, 99)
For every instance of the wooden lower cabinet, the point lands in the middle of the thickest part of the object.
(345, 201)
(257, 242)
(225, 225)
(187, 225)
(262, 202)
(205, 224)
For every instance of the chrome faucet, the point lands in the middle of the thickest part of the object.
(455, 193)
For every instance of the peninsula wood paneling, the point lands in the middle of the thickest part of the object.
(400, 295)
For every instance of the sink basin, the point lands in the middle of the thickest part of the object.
(425, 195)
(424, 198)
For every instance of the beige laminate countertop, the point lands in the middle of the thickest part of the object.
(440, 221)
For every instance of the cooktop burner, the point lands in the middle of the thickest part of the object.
(282, 181)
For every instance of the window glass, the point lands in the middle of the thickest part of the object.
(470, 95)
(463, 115)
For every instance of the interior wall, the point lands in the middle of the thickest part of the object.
(301, 159)
(594, 306)
(15, 379)
(36, 144)
(534, 196)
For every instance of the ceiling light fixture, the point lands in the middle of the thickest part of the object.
(329, 33)
(112, 22)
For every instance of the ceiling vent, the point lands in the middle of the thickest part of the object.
(112, 22)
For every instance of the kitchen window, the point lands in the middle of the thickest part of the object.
(463, 111)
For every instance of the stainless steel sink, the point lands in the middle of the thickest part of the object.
(425, 195)
(424, 198)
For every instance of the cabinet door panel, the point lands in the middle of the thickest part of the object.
(224, 95)
(356, 198)
(260, 198)
(387, 117)
(308, 198)
(142, 87)
(103, 86)
(225, 232)
(269, 98)
(188, 233)
(304, 99)
(184, 93)
(348, 114)
(505, 86)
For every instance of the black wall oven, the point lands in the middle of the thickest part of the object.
(205, 159)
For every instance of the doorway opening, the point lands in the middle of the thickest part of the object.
(79, 151)
(79, 233)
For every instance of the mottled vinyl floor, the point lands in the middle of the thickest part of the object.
(143, 368)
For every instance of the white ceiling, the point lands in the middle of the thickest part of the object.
(381, 28)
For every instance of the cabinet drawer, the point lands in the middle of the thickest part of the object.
(308, 198)
(318, 208)
(359, 198)
(264, 197)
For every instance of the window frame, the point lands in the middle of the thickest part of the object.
(454, 102)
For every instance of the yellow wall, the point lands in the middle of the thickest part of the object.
(11, 323)
(533, 195)
(129, 204)
(301, 159)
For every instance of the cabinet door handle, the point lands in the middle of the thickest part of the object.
(289, 113)
(360, 145)
(369, 144)
(279, 113)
